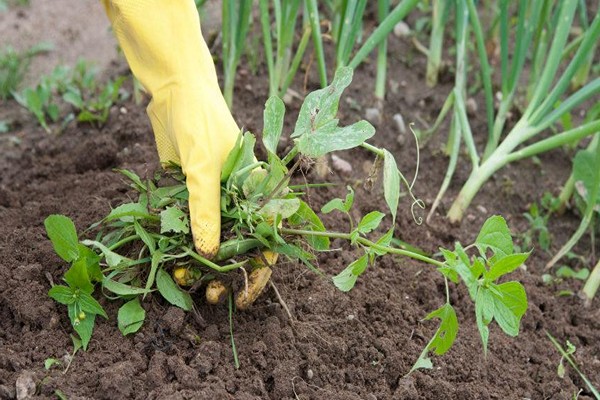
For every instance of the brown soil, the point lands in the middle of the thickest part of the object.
(358, 345)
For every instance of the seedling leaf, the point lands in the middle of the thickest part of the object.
(90, 305)
(505, 265)
(171, 292)
(273, 123)
(62, 233)
(370, 222)
(83, 327)
(172, 219)
(127, 212)
(122, 289)
(280, 207)
(112, 259)
(338, 204)
(308, 219)
(391, 183)
(444, 337)
(346, 279)
(510, 307)
(584, 171)
(131, 317)
(331, 138)
(145, 236)
(77, 277)
(495, 235)
(62, 294)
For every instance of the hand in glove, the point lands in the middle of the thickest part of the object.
(192, 124)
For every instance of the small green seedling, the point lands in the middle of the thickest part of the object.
(14, 66)
(567, 354)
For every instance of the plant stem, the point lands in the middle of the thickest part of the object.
(364, 242)
(373, 149)
(382, 11)
(123, 241)
(440, 9)
(313, 14)
(233, 348)
(210, 264)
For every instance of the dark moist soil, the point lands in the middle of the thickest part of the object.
(357, 345)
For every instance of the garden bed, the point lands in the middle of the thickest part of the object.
(356, 345)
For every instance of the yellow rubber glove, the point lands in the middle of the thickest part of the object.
(192, 124)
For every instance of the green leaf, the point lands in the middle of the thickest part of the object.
(171, 292)
(137, 182)
(122, 289)
(391, 183)
(505, 265)
(131, 317)
(585, 169)
(172, 219)
(112, 259)
(62, 294)
(245, 158)
(370, 222)
(510, 306)
(338, 204)
(483, 303)
(568, 272)
(295, 253)
(332, 138)
(283, 207)
(77, 276)
(49, 362)
(317, 132)
(495, 235)
(273, 123)
(89, 305)
(127, 212)
(62, 233)
(145, 236)
(231, 160)
(92, 263)
(385, 241)
(83, 327)
(157, 258)
(444, 337)
(346, 279)
(307, 219)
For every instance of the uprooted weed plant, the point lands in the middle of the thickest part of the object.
(139, 244)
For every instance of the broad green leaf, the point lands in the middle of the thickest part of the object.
(317, 132)
(370, 222)
(122, 289)
(443, 339)
(131, 317)
(83, 327)
(320, 106)
(89, 305)
(231, 160)
(78, 278)
(282, 207)
(295, 253)
(385, 241)
(172, 219)
(254, 181)
(585, 169)
(307, 219)
(163, 196)
(49, 362)
(171, 292)
(273, 123)
(145, 236)
(510, 307)
(391, 183)
(495, 235)
(346, 279)
(92, 262)
(62, 233)
(505, 265)
(112, 259)
(62, 294)
(332, 138)
(338, 204)
(127, 212)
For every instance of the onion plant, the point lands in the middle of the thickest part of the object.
(236, 16)
(439, 18)
(549, 100)
(283, 64)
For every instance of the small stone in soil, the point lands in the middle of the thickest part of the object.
(309, 374)
(471, 107)
(341, 165)
(373, 115)
(401, 29)
(25, 385)
(400, 125)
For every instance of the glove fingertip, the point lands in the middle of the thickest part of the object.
(206, 239)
